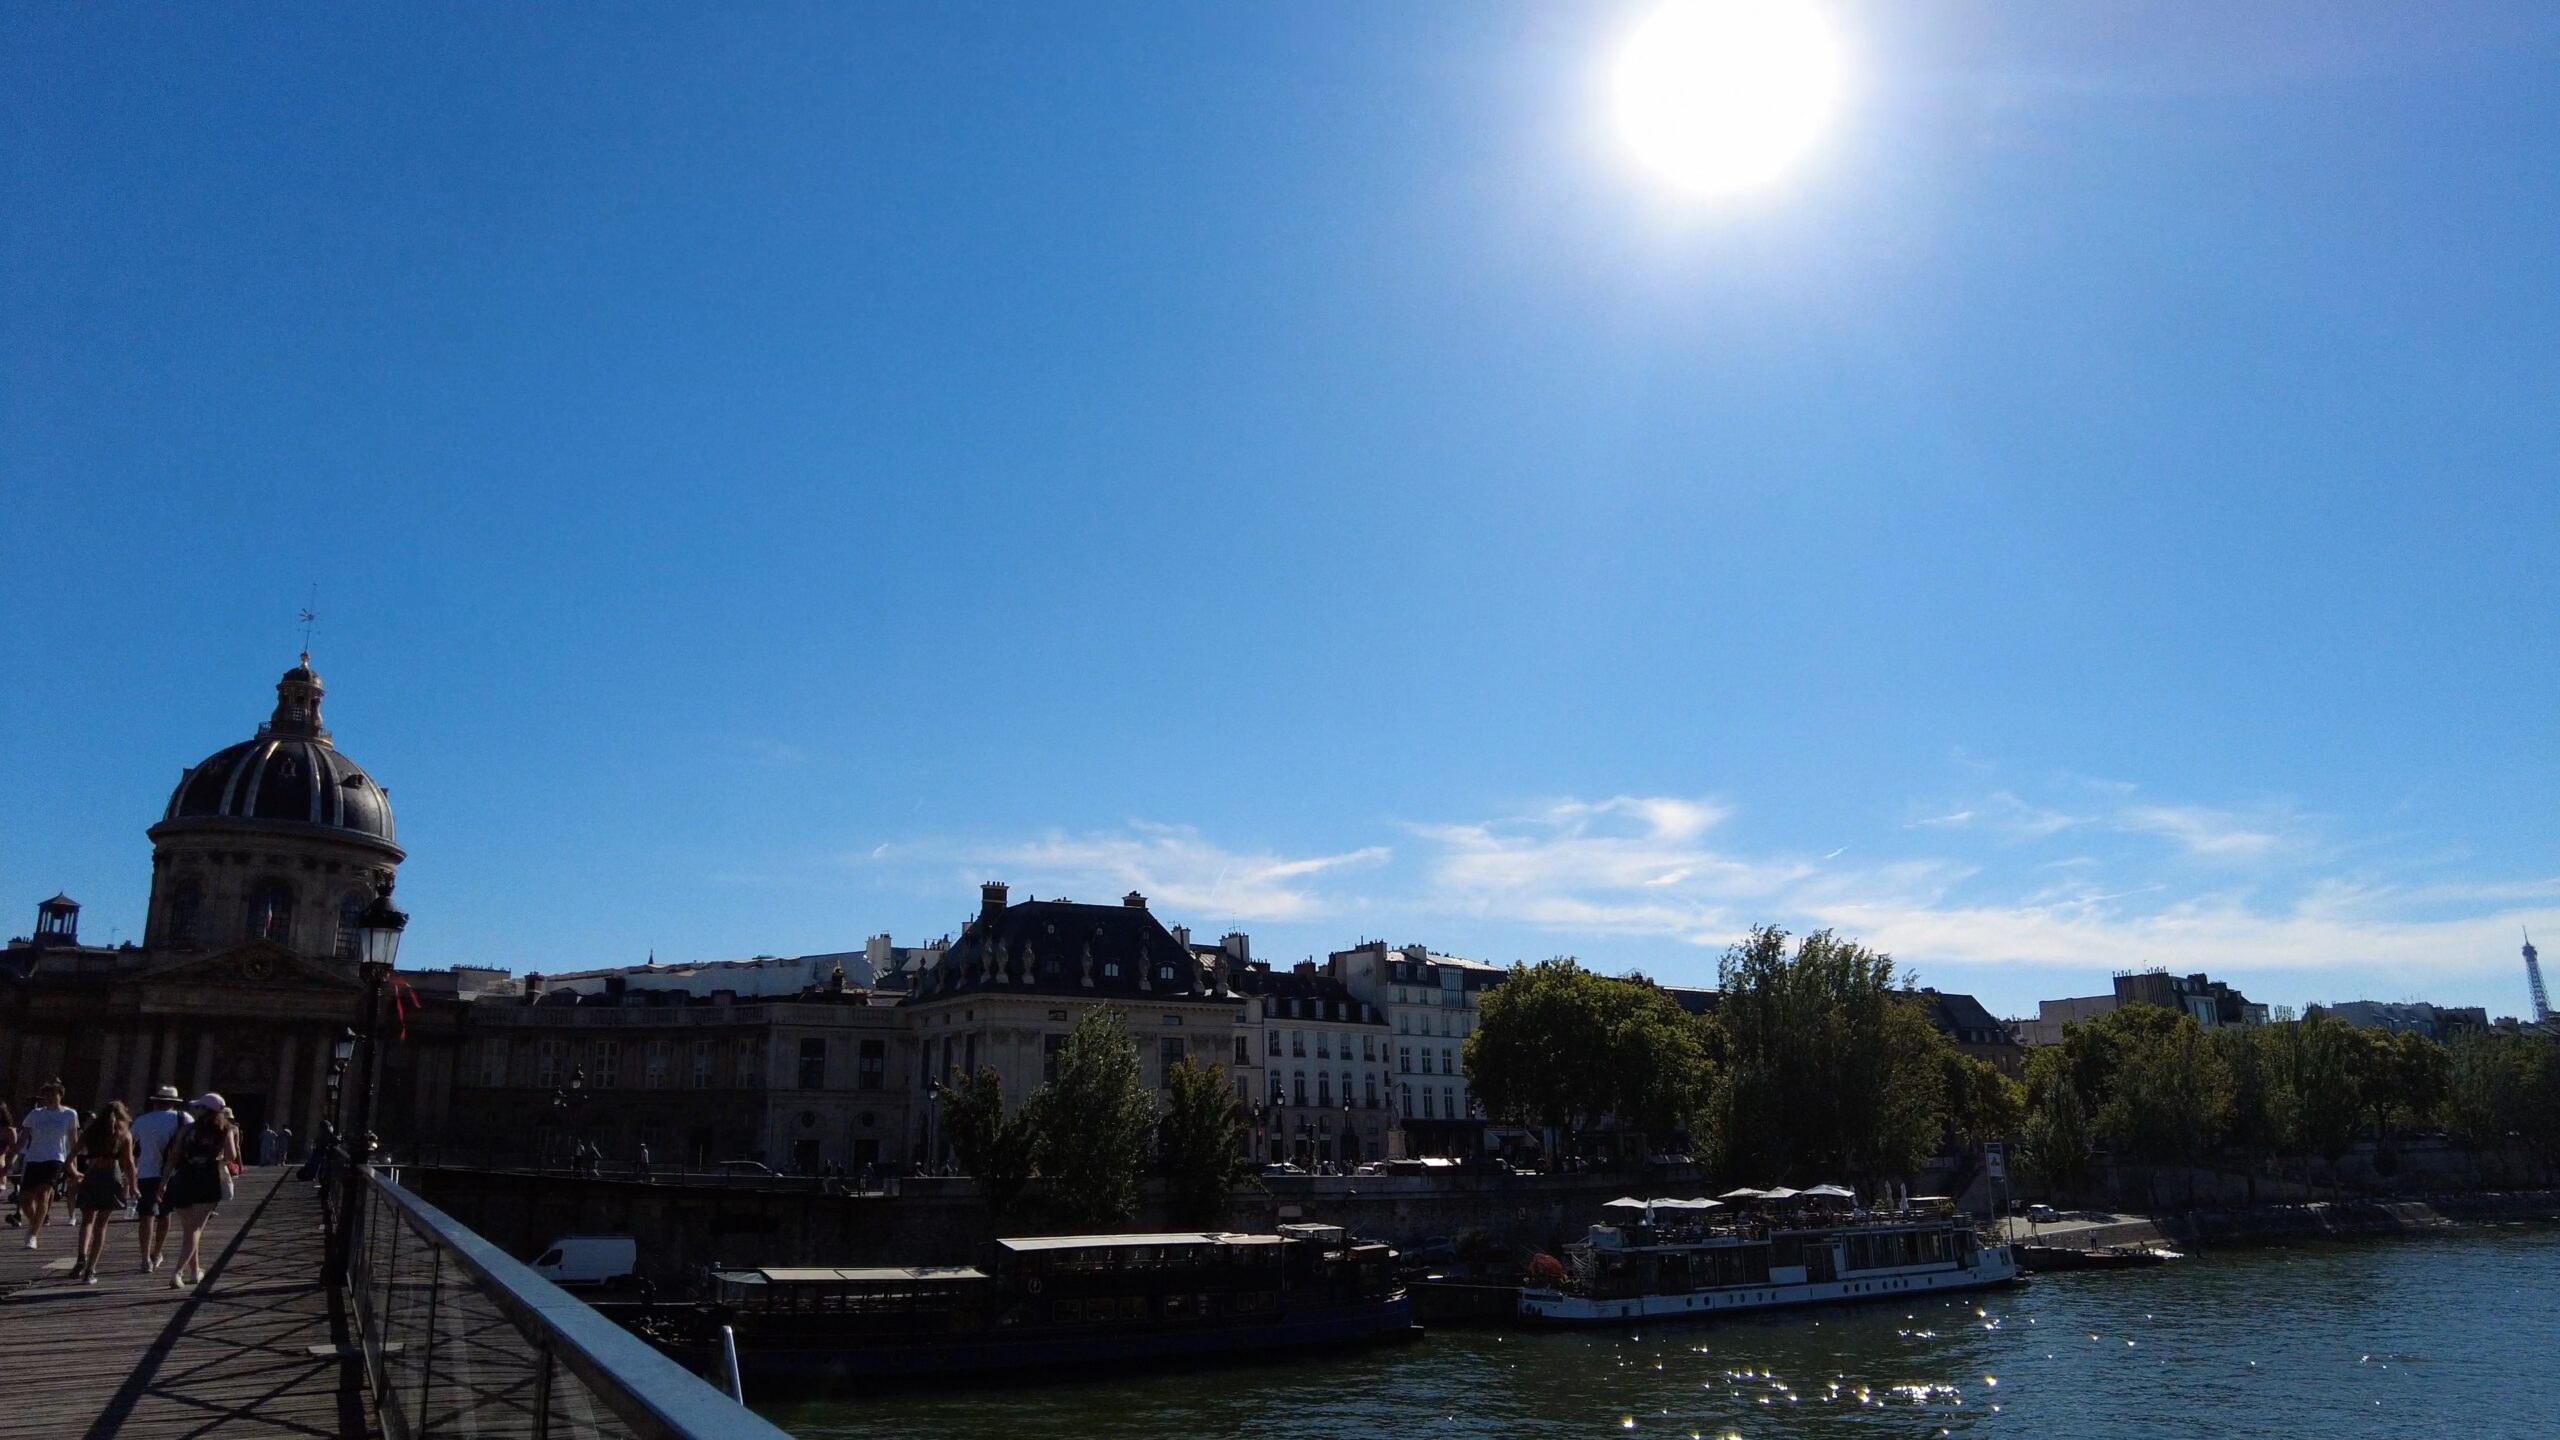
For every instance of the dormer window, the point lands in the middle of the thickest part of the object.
(1111, 969)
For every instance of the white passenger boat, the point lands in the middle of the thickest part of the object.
(1679, 1264)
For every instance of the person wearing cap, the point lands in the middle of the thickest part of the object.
(46, 1135)
(153, 1133)
(202, 1154)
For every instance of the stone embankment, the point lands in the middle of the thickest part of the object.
(2265, 1224)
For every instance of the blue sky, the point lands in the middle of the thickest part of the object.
(766, 469)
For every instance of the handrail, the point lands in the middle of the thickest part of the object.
(653, 1395)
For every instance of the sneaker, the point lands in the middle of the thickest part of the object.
(177, 1282)
(91, 1278)
(31, 1242)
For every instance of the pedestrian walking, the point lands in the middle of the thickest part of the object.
(153, 1132)
(102, 1183)
(46, 1137)
(199, 1160)
(644, 1160)
(324, 1143)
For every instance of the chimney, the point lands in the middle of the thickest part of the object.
(991, 900)
(614, 985)
(1182, 936)
(1305, 967)
(1134, 900)
(1237, 943)
(533, 986)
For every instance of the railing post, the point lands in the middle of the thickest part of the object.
(542, 1393)
(427, 1341)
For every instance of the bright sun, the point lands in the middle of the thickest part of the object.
(1724, 95)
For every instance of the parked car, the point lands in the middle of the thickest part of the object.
(2042, 1213)
(1280, 1168)
(588, 1259)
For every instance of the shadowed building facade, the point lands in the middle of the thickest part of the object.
(261, 862)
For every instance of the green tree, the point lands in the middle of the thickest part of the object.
(1096, 1123)
(1829, 1073)
(1560, 1047)
(1983, 1105)
(2058, 1139)
(994, 1147)
(1204, 1155)
(2318, 1072)
(2256, 1124)
(2170, 1100)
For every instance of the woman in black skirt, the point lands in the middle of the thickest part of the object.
(104, 1183)
(198, 1158)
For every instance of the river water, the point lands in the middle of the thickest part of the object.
(2449, 1334)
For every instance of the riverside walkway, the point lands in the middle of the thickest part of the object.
(254, 1350)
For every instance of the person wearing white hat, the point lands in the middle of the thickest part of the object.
(204, 1152)
(153, 1133)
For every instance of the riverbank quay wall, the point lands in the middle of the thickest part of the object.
(2319, 1220)
(937, 1221)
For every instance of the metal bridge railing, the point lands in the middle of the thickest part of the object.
(460, 1339)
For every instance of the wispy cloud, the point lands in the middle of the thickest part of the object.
(1611, 868)
(1177, 865)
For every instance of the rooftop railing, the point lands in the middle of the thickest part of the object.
(462, 1340)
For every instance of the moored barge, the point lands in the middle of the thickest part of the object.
(1041, 1305)
(1641, 1270)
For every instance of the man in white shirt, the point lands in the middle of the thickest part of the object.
(152, 1132)
(45, 1138)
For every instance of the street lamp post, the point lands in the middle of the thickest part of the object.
(377, 948)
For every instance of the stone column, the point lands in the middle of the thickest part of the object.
(316, 1104)
(138, 1079)
(168, 1061)
(281, 1106)
(106, 1091)
(204, 1064)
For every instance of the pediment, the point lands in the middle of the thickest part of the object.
(252, 963)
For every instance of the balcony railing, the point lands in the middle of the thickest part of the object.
(460, 1339)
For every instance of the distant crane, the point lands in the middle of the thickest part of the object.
(2533, 978)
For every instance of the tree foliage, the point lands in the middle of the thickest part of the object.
(1203, 1142)
(1829, 1074)
(992, 1146)
(1561, 1047)
(1096, 1123)
(2058, 1139)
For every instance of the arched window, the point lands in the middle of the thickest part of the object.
(271, 912)
(350, 914)
(186, 912)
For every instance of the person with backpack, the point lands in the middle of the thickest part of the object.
(200, 1160)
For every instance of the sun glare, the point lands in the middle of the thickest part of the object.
(1724, 95)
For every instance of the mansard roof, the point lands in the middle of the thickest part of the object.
(1059, 947)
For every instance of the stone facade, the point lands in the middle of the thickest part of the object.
(245, 981)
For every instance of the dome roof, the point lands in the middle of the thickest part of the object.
(284, 777)
(289, 773)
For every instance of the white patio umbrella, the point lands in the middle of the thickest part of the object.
(1624, 1202)
(1780, 1193)
(1745, 1193)
(1833, 1191)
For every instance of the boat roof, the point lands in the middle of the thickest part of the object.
(861, 1275)
(1032, 1244)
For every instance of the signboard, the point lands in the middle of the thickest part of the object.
(1995, 1162)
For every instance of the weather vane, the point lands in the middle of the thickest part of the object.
(309, 615)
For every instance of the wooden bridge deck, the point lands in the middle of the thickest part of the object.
(129, 1356)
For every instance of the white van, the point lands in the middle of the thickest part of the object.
(588, 1259)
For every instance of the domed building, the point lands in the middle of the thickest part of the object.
(279, 838)
(246, 979)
